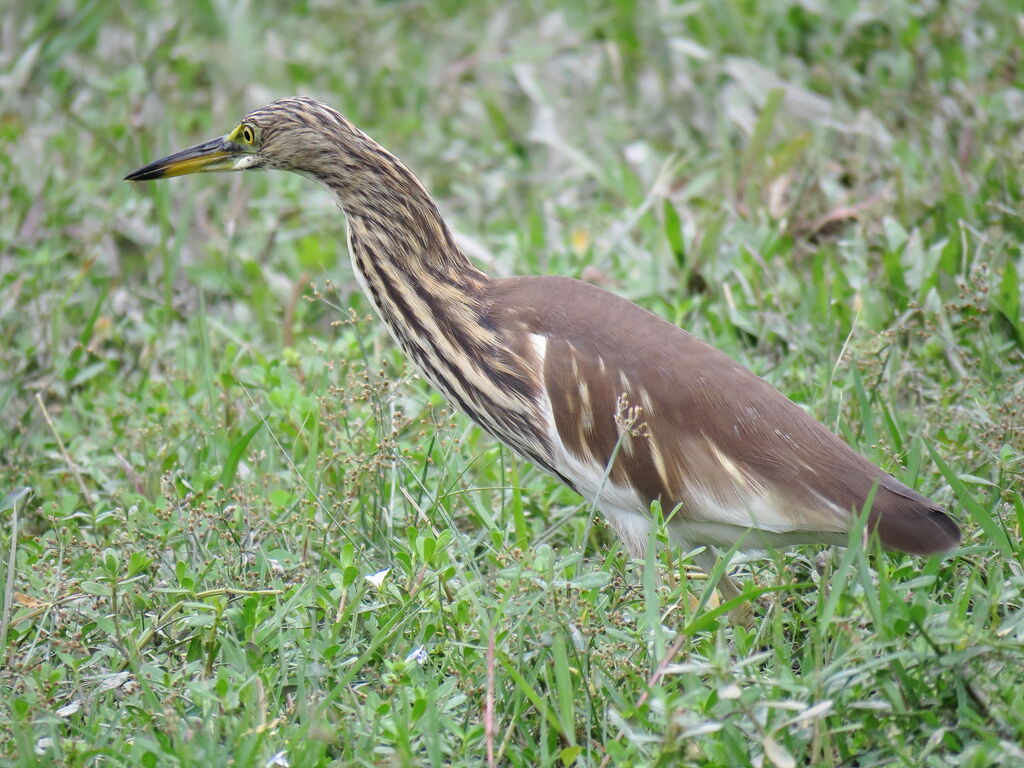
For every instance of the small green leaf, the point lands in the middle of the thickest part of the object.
(227, 475)
(95, 588)
(21, 708)
(1007, 300)
(139, 562)
(349, 575)
(281, 498)
(427, 546)
(592, 580)
(564, 688)
(674, 233)
(975, 480)
(569, 754)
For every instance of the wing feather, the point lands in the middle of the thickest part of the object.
(721, 445)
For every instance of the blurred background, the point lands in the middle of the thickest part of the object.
(194, 396)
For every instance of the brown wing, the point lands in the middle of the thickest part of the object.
(718, 438)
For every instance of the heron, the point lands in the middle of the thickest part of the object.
(625, 408)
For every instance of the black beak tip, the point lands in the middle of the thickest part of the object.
(143, 174)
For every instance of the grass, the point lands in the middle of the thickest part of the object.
(238, 529)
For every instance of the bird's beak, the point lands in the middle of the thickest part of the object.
(221, 154)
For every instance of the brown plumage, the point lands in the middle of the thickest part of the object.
(569, 375)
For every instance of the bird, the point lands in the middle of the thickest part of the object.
(622, 406)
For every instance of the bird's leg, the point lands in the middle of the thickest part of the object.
(743, 614)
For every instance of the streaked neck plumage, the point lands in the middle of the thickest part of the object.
(430, 296)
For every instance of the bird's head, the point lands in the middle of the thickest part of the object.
(295, 134)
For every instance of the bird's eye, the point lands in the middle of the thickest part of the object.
(248, 135)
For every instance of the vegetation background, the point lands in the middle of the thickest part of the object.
(239, 530)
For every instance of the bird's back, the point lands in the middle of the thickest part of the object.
(690, 426)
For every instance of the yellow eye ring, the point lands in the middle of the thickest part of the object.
(248, 135)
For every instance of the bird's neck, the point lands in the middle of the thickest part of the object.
(400, 236)
(425, 289)
(396, 233)
(407, 263)
(433, 299)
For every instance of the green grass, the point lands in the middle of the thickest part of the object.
(208, 446)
